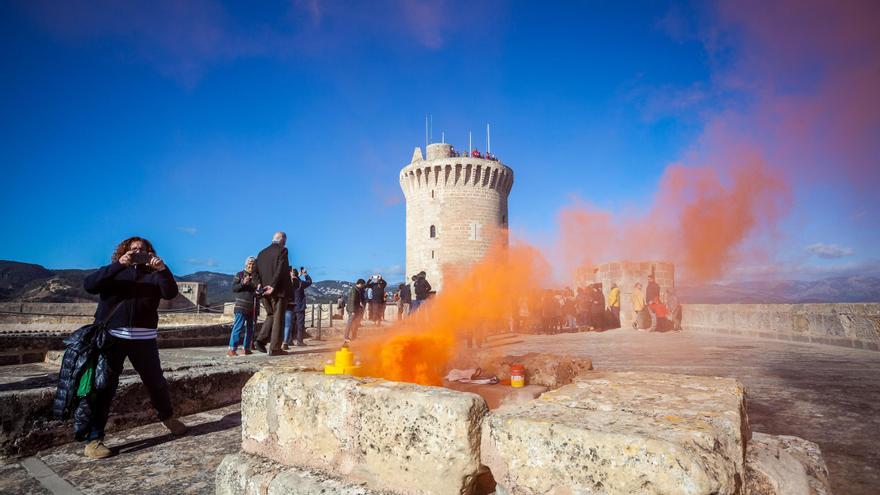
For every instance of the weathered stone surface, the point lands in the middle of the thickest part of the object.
(546, 370)
(392, 436)
(150, 461)
(499, 395)
(781, 464)
(622, 433)
(14, 479)
(245, 474)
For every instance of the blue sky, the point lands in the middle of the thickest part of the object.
(207, 126)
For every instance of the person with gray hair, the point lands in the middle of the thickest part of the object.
(273, 277)
(246, 308)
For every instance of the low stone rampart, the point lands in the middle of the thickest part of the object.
(855, 325)
(28, 425)
(33, 345)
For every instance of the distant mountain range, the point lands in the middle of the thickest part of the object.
(34, 283)
(856, 288)
(29, 282)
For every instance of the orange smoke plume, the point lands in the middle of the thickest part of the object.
(699, 220)
(481, 299)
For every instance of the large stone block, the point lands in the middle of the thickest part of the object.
(392, 436)
(244, 474)
(785, 465)
(621, 433)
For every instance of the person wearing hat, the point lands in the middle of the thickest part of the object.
(244, 287)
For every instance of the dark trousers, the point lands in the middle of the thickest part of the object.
(272, 331)
(144, 357)
(300, 325)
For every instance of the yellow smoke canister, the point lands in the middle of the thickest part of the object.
(343, 363)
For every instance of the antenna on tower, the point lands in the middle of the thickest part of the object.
(442, 137)
(432, 128)
(488, 140)
(426, 133)
(470, 146)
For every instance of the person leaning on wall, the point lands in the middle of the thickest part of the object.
(130, 289)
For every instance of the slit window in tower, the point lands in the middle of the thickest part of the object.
(503, 219)
(474, 234)
(432, 194)
(433, 232)
(432, 254)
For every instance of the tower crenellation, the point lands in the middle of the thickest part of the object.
(456, 209)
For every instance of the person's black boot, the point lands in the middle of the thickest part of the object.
(261, 347)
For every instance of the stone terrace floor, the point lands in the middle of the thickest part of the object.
(825, 394)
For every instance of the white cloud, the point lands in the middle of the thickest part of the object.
(188, 230)
(829, 251)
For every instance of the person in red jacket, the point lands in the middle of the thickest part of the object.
(660, 310)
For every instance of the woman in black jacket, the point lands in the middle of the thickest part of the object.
(135, 281)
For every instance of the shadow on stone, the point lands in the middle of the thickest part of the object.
(232, 420)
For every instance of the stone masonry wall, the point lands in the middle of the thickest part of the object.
(841, 324)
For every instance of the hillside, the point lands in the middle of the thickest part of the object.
(858, 288)
(30, 282)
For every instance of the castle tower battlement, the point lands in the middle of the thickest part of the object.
(456, 208)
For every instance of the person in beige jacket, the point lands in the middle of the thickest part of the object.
(638, 303)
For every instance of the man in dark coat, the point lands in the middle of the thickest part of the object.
(405, 299)
(273, 274)
(354, 306)
(422, 289)
(652, 291)
(377, 299)
(301, 281)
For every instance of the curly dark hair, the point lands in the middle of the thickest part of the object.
(125, 245)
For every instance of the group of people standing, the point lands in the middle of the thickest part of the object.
(554, 311)
(270, 281)
(651, 312)
(371, 295)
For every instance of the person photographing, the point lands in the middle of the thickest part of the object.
(130, 289)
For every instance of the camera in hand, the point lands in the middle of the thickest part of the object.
(141, 258)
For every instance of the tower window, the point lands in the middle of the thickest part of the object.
(433, 232)
(504, 219)
(432, 194)
(432, 254)
(474, 234)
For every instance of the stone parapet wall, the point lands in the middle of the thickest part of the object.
(33, 346)
(854, 325)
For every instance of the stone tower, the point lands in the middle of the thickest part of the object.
(456, 207)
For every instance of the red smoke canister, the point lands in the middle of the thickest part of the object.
(517, 375)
